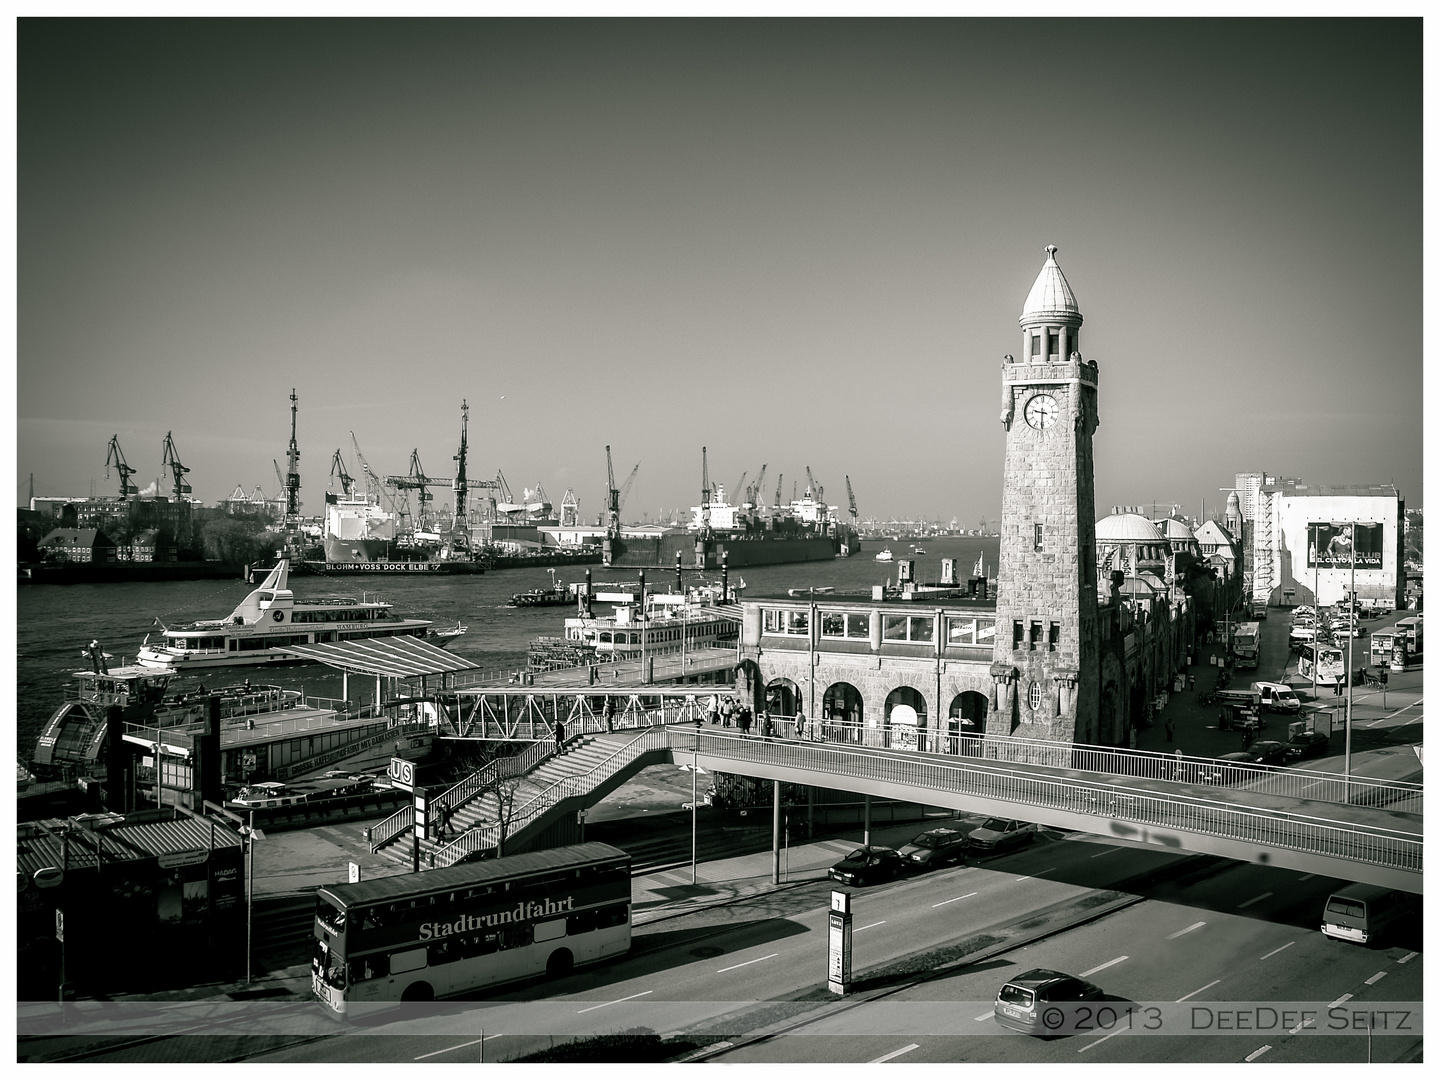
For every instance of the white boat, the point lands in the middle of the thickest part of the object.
(885, 556)
(267, 621)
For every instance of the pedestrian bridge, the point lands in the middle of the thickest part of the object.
(1359, 830)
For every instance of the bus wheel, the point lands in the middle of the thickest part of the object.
(420, 991)
(560, 963)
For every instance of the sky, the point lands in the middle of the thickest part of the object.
(795, 243)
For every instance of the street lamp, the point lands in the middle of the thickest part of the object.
(251, 834)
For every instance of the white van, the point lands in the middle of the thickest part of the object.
(1277, 697)
(1366, 914)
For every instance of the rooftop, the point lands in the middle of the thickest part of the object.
(1051, 296)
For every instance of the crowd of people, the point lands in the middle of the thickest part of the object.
(727, 712)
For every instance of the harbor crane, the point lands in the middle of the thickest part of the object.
(854, 514)
(616, 495)
(337, 468)
(779, 490)
(460, 485)
(292, 469)
(416, 481)
(117, 458)
(171, 459)
(739, 488)
(704, 494)
(813, 487)
(755, 492)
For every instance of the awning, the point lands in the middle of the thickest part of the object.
(396, 657)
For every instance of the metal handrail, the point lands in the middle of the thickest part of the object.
(1278, 828)
(482, 837)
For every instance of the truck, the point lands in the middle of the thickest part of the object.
(1277, 697)
(1245, 645)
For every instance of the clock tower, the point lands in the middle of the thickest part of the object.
(1047, 657)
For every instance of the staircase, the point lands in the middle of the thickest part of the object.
(590, 767)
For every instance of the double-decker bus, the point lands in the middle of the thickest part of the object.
(1325, 664)
(1245, 645)
(438, 933)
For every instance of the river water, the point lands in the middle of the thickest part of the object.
(55, 622)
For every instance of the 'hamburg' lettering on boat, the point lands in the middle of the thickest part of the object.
(523, 912)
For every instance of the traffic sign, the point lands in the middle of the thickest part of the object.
(402, 773)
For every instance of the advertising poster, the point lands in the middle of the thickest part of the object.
(1331, 544)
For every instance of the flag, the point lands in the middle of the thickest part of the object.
(980, 566)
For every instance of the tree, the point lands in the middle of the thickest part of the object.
(236, 540)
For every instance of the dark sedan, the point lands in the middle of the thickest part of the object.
(866, 866)
(934, 849)
(1307, 744)
(1268, 752)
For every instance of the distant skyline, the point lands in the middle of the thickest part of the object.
(796, 243)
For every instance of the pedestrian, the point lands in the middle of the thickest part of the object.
(608, 710)
(1247, 736)
(799, 723)
(1170, 729)
(712, 710)
(744, 724)
(1192, 680)
(559, 736)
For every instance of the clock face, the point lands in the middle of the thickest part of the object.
(1041, 411)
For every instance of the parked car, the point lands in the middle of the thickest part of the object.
(1269, 752)
(866, 866)
(998, 834)
(934, 849)
(1226, 769)
(1035, 1002)
(1346, 629)
(1307, 744)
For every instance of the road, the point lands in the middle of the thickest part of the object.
(1190, 927)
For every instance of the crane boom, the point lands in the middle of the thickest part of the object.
(756, 491)
(854, 514)
(739, 489)
(779, 489)
(460, 485)
(170, 458)
(116, 457)
(625, 487)
(292, 470)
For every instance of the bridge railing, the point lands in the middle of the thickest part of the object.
(1391, 848)
(488, 836)
(530, 714)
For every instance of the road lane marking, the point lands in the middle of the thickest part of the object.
(1339, 1001)
(1282, 948)
(1102, 967)
(1027, 877)
(747, 963)
(1182, 933)
(459, 1046)
(617, 1001)
(867, 926)
(895, 1053)
(1396, 713)
(1257, 1053)
(1256, 899)
(1407, 956)
(1304, 877)
(1107, 851)
(1097, 1042)
(1192, 993)
(1303, 1024)
(987, 1016)
(942, 903)
(1373, 979)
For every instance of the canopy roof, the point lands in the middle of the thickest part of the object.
(398, 657)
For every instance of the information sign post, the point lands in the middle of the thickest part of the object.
(421, 806)
(840, 931)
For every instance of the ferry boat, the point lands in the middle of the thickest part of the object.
(672, 623)
(271, 795)
(885, 556)
(269, 619)
(444, 635)
(556, 594)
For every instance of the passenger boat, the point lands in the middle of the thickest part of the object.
(268, 620)
(271, 795)
(672, 623)
(556, 595)
(446, 634)
(885, 556)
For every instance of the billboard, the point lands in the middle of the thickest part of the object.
(1332, 544)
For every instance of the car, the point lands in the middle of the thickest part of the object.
(867, 865)
(997, 834)
(1307, 744)
(1345, 629)
(1269, 752)
(934, 849)
(1035, 1002)
(1225, 769)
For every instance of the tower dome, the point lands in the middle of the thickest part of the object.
(1051, 299)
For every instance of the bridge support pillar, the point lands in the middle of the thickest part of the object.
(775, 836)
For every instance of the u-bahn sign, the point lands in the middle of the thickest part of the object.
(402, 773)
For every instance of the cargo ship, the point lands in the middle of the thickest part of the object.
(805, 530)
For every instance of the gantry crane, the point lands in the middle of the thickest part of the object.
(755, 492)
(854, 514)
(170, 458)
(416, 480)
(337, 468)
(116, 457)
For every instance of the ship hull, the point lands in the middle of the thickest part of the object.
(659, 552)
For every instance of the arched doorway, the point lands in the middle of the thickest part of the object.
(905, 719)
(843, 715)
(966, 725)
(783, 699)
(748, 683)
